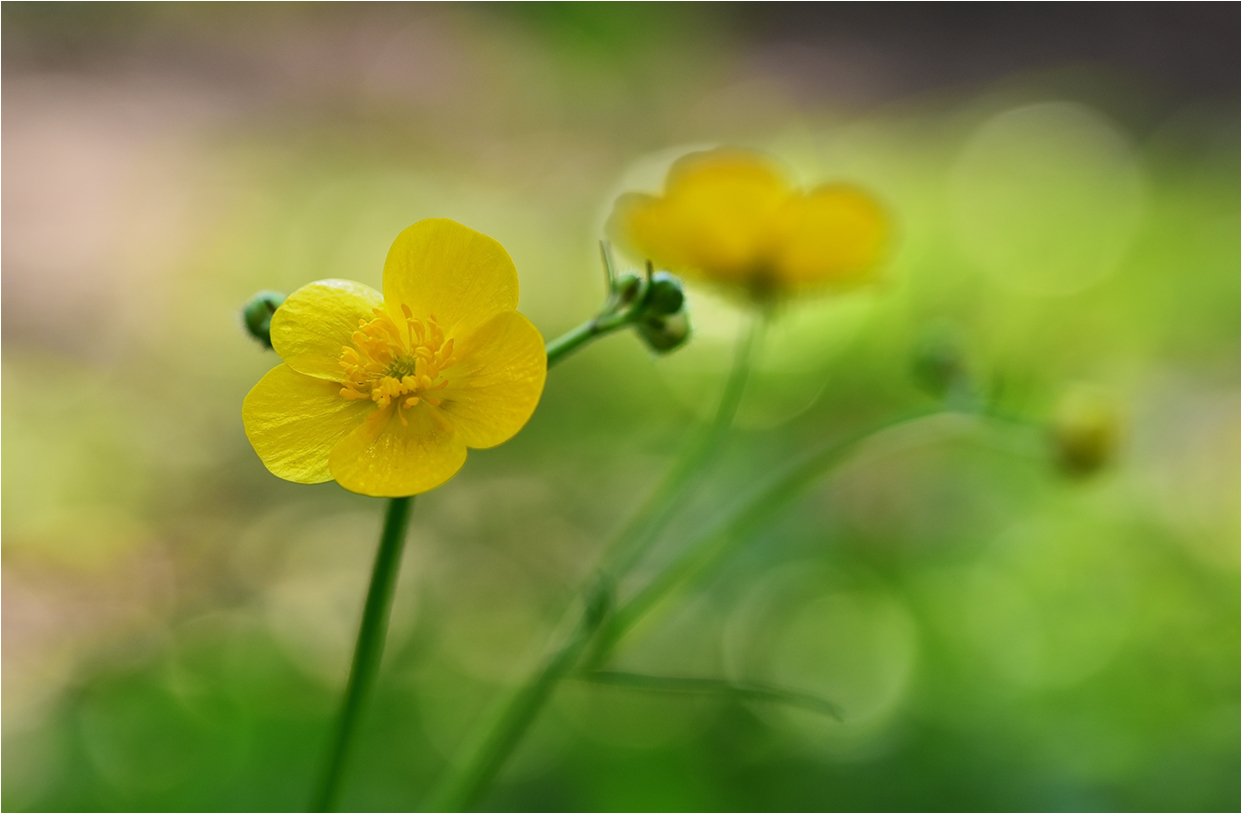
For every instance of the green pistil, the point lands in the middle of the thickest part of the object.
(401, 367)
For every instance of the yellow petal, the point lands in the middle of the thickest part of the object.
(716, 219)
(293, 421)
(439, 267)
(835, 236)
(316, 321)
(385, 458)
(495, 389)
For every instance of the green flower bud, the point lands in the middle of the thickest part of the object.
(665, 296)
(628, 287)
(937, 363)
(257, 315)
(1086, 430)
(665, 333)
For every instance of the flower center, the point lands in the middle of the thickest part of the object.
(396, 364)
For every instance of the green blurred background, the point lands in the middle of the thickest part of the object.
(177, 622)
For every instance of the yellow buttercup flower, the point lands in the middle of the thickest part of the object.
(384, 393)
(731, 217)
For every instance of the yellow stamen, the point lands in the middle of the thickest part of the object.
(386, 366)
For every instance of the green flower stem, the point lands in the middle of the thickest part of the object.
(780, 490)
(370, 646)
(466, 784)
(636, 538)
(579, 337)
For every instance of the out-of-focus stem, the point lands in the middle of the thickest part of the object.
(754, 512)
(488, 754)
(369, 649)
(464, 786)
(636, 538)
(745, 690)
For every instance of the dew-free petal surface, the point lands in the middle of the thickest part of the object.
(715, 219)
(312, 326)
(494, 391)
(439, 267)
(293, 421)
(385, 458)
(836, 235)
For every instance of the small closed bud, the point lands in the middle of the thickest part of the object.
(937, 363)
(665, 333)
(628, 287)
(257, 315)
(1086, 430)
(665, 296)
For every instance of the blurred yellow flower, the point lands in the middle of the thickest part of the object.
(384, 393)
(731, 217)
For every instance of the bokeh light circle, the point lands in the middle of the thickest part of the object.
(1046, 198)
(791, 366)
(845, 639)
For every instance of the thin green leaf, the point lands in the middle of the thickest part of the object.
(746, 690)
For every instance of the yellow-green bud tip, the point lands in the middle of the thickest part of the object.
(1086, 430)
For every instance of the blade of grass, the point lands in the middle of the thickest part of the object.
(746, 690)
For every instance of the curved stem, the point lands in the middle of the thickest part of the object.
(592, 329)
(753, 513)
(636, 538)
(488, 753)
(370, 646)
